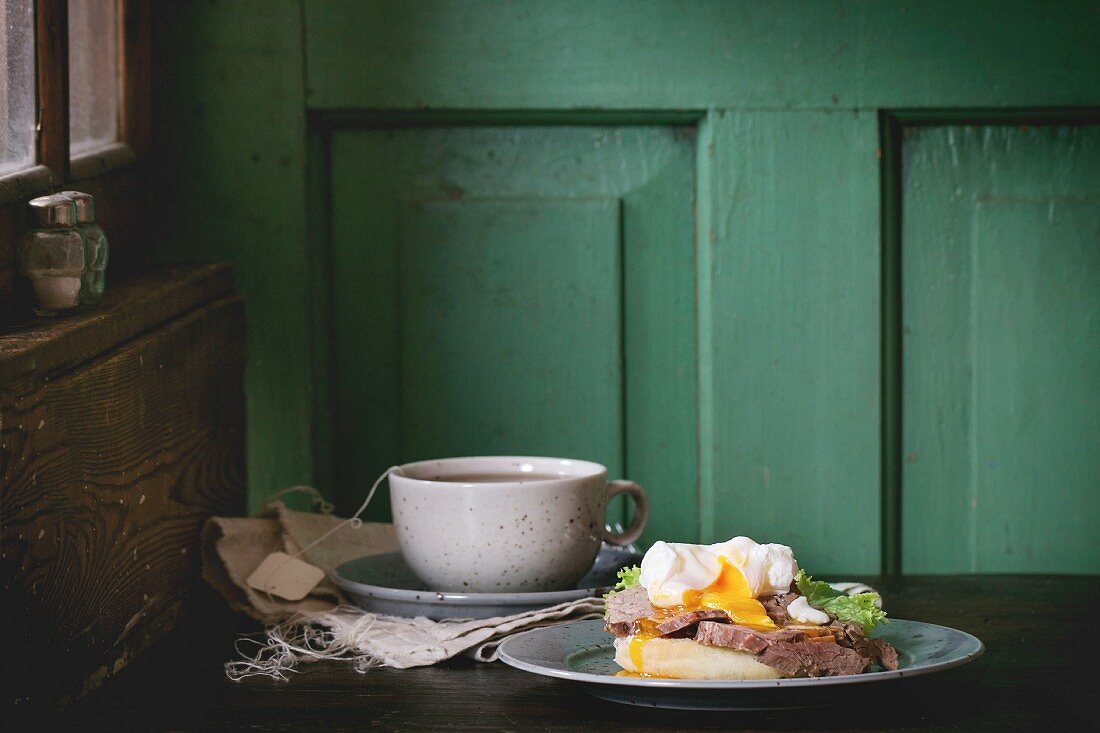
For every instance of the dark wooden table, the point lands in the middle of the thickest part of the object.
(1038, 673)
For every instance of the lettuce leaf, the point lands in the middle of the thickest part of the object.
(861, 608)
(628, 578)
(817, 592)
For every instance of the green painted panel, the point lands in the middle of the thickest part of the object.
(510, 328)
(527, 289)
(780, 342)
(665, 54)
(1001, 372)
(789, 309)
(229, 124)
(661, 446)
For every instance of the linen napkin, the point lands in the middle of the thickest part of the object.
(323, 625)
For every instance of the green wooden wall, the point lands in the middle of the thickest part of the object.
(516, 290)
(229, 133)
(319, 146)
(1002, 349)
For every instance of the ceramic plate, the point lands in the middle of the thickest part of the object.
(582, 652)
(385, 584)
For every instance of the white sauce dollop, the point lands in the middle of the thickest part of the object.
(801, 611)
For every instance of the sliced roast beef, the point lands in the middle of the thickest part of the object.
(797, 653)
(741, 638)
(622, 628)
(626, 608)
(878, 651)
(792, 651)
(887, 655)
(685, 622)
(732, 637)
(813, 659)
(776, 606)
(850, 635)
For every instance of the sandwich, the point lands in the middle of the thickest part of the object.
(739, 610)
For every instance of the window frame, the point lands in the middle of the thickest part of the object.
(113, 171)
(53, 163)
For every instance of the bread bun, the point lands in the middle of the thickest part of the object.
(687, 659)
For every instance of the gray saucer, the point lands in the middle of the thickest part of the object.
(385, 584)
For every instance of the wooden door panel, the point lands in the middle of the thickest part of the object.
(791, 327)
(1037, 424)
(1001, 269)
(510, 328)
(516, 290)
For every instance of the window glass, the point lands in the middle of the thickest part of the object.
(17, 84)
(93, 74)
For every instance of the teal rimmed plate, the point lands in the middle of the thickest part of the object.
(582, 652)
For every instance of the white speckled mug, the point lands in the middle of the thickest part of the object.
(506, 524)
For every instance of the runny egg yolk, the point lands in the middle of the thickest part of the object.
(729, 592)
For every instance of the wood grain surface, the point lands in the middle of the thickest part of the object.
(110, 463)
(1037, 674)
(37, 348)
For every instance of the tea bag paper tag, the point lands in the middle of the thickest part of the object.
(285, 576)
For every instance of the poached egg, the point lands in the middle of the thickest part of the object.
(673, 573)
(727, 576)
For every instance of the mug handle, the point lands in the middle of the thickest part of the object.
(641, 512)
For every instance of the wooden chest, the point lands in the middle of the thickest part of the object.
(121, 430)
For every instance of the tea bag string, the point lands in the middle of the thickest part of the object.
(315, 498)
(354, 520)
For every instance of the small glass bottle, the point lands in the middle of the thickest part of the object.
(52, 255)
(95, 247)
